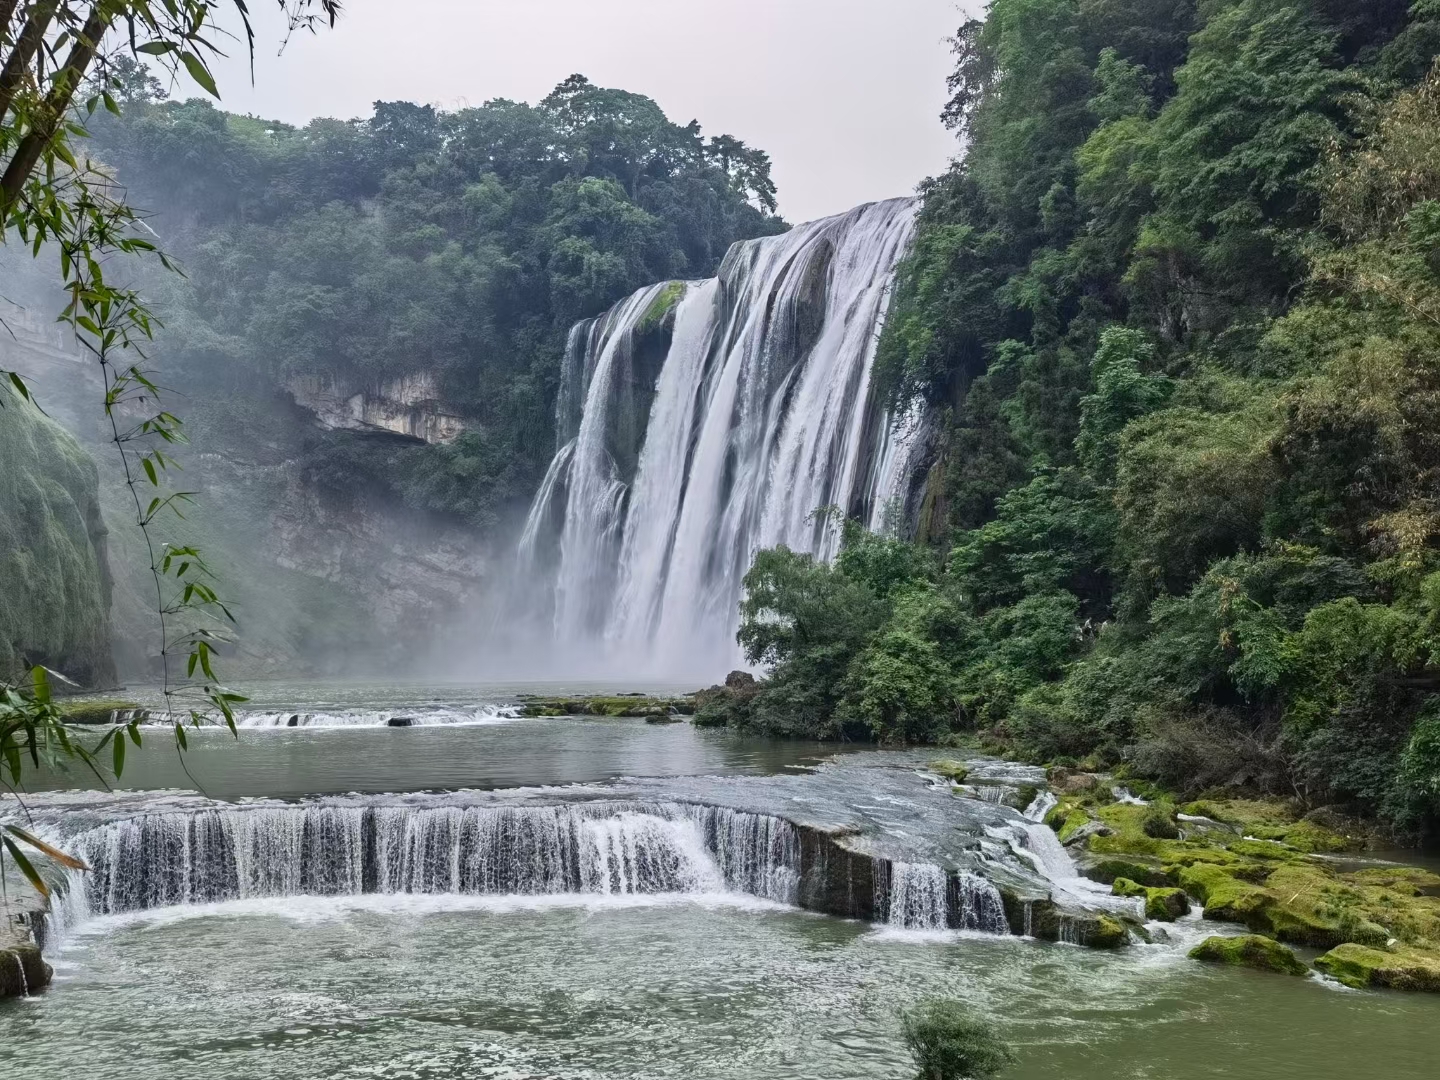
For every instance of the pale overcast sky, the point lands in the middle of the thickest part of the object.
(845, 95)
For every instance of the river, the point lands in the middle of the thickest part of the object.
(580, 986)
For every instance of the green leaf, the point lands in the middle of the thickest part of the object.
(117, 755)
(25, 868)
(157, 48)
(40, 845)
(200, 73)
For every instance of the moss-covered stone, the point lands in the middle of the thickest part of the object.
(1400, 968)
(100, 711)
(1106, 870)
(1103, 932)
(1161, 904)
(666, 301)
(951, 769)
(1252, 951)
(1226, 898)
(623, 705)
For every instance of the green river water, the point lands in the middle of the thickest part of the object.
(583, 988)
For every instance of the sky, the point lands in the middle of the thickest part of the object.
(845, 95)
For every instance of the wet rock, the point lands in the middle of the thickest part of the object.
(1083, 833)
(1072, 782)
(294, 721)
(400, 721)
(1161, 904)
(1399, 968)
(1138, 870)
(23, 971)
(1252, 951)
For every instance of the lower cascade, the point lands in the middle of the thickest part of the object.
(599, 849)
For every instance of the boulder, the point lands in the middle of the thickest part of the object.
(401, 721)
(1252, 951)
(1400, 968)
(22, 971)
(1161, 904)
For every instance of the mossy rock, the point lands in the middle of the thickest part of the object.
(99, 711)
(1225, 897)
(1402, 968)
(1159, 825)
(1103, 932)
(1072, 824)
(1161, 904)
(1252, 951)
(1107, 870)
(952, 770)
(1272, 850)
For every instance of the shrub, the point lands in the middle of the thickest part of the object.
(949, 1043)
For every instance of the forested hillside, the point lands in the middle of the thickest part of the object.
(460, 246)
(1178, 309)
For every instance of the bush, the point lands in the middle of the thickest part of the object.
(948, 1043)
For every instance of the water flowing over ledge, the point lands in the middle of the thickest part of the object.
(907, 853)
(702, 421)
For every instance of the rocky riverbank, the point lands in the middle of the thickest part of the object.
(1292, 879)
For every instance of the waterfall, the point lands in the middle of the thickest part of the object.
(176, 858)
(922, 896)
(702, 421)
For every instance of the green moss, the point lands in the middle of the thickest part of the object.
(954, 770)
(1161, 904)
(623, 705)
(1073, 823)
(1252, 951)
(1226, 898)
(1106, 871)
(56, 609)
(1262, 849)
(96, 711)
(1402, 968)
(665, 302)
(1105, 933)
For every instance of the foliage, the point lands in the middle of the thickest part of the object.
(455, 246)
(949, 1043)
(1179, 308)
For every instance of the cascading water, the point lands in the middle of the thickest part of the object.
(176, 858)
(717, 418)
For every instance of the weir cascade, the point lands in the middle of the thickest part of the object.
(699, 422)
(166, 859)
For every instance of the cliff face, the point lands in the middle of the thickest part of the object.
(54, 579)
(320, 581)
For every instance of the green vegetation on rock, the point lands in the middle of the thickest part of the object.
(1397, 969)
(56, 604)
(1161, 903)
(615, 706)
(1250, 950)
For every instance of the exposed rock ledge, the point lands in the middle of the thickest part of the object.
(410, 405)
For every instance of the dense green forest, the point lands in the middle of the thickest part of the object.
(1178, 305)
(462, 244)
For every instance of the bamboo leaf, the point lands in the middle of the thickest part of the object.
(40, 845)
(25, 868)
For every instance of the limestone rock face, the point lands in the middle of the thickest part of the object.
(410, 405)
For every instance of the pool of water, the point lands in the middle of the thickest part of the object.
(479, 746)
(405, 988)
